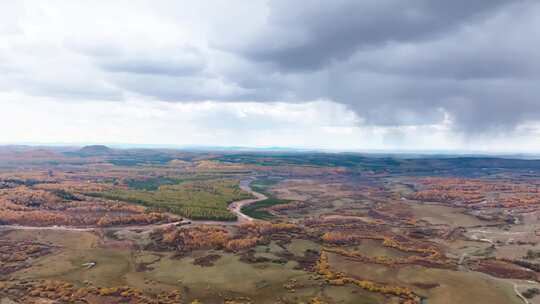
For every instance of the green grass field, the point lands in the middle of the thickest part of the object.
(255, 210)
(204, 199)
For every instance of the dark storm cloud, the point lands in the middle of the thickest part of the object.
(305, 35)
(407, 62)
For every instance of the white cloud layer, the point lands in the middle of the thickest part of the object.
(316, 124)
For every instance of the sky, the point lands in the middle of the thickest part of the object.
(338, 75)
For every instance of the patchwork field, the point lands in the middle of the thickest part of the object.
(202, 227)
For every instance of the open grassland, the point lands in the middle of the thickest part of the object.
(155, 272)
(196, 200)
(440, 286)
(438, 214)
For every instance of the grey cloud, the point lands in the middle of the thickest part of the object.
(45, 69)
(305, 35)
(177, 88)
(153, 67)
(179, 62)
(407, 62)
(176, 60)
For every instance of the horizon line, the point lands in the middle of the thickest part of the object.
(269, 148)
